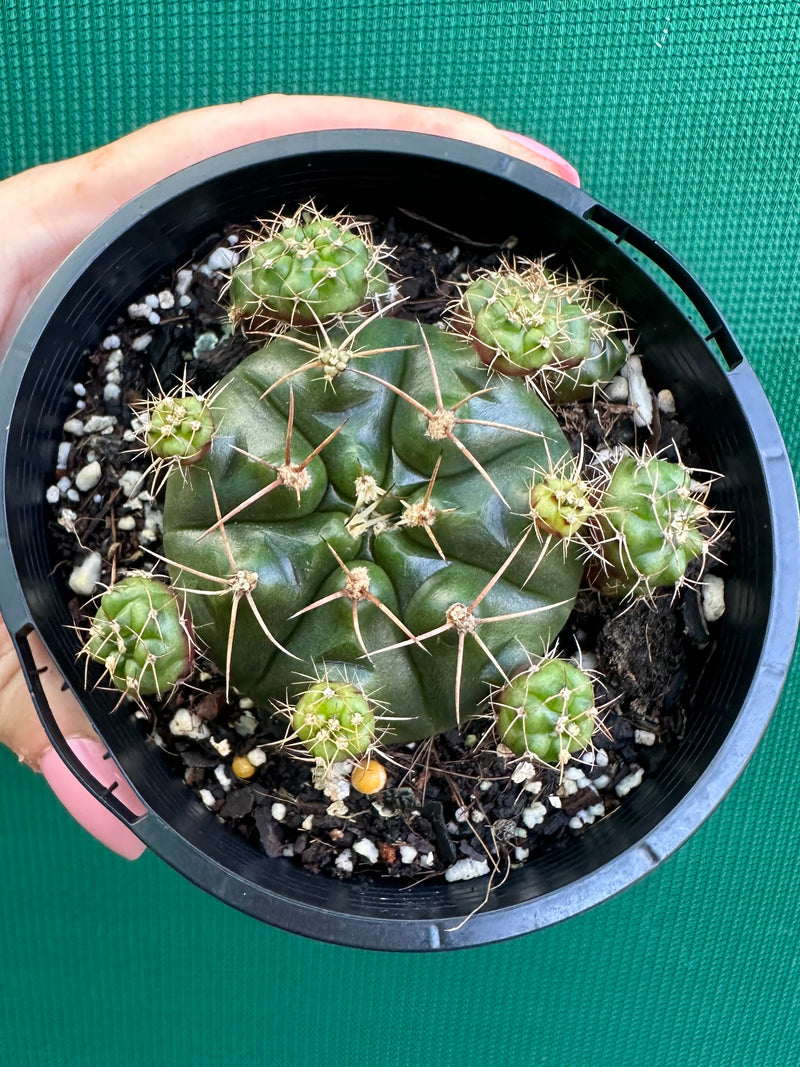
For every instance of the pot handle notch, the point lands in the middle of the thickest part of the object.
(624, 231)
(105, 794)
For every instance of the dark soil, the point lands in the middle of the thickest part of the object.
(452, 798)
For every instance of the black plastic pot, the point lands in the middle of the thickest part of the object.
(489, 196)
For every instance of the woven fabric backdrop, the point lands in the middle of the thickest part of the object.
(681, 115)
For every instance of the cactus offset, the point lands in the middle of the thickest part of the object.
(528, 321)
(141, 637)
(655, 521)
(547, 711)
(305, 269)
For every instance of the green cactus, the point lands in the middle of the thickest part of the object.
(179, 428)
(306, 269)
(141, 636)
(384, 522)
(560, 334)
(655, 522)
(333, 720)
(547, 711)
(373, 505)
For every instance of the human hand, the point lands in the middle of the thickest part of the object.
(48, 211)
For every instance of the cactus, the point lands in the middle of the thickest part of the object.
(306, 269)
(362, 501)
(141, 636)
(178, 427)
(655, 521)
(333, 720)
(384, 522)
(547, 711)
(524, 320)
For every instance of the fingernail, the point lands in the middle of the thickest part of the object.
(565, 169)
(85, 808)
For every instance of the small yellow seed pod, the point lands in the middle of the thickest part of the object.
(369, 776)
(242, 767)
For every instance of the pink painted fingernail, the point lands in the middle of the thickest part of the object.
(565, 169)
(86, 809)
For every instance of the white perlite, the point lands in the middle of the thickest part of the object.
(534, 815)
(616, 390)
(74, 426)
(185, 723)
(208, 798)
(278, 811)
(344, 861)
(629, 782)
(638, 392)
(257, 756)
(88, 477)
(126, 523)
(644, 737)
(99, 424)
(666, 402)
(222, 259)
(713, 597)
(366, 848)
(463, 870)
(407, 854)
(86, 574)
(52, 496)
(221, 774)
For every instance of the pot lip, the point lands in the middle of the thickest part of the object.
(756, 710)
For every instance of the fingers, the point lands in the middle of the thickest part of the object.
(91, 186)
(20, 729)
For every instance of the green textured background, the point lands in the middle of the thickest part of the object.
(682, 116)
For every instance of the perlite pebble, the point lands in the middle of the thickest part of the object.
(208, 798)
(79, 389)
(617, 390)
(186, 723)
(257, 756)
(74, 426)
(52, 496)
(183, 279)
(126, 523)
(407, 854)
(221, 774)
(111, 342)
(86, 574)
(463, 870)
(166, 300)
(644, 737)
(100, 424)
(534, 815)
(713, 597)
(367, 849)
(222, 259)
(129, 481)
(88, 477)
(629, 782)
(344, 861)
(666, 402)
(140, 343)
(63, 455)
(278, 811)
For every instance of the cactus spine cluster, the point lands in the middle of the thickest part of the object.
(385, 505)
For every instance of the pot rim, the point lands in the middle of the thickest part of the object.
(776, 652)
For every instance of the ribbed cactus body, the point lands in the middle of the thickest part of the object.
(464, 483)
(547, 711)
(654, 521)
(140, 636)
(529, 323)
(304, 272)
